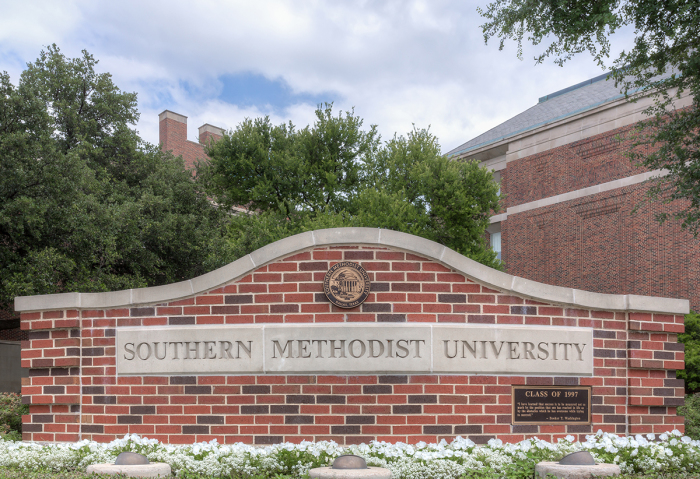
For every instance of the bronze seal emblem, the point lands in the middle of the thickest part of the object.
(346, 284)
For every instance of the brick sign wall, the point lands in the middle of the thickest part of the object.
(76, 391)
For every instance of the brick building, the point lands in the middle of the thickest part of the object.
(569, 192)
(172, 131)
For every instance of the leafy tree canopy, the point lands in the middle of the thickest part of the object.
(664, 64)
(85, 204)
(691, 340)
(333, 174)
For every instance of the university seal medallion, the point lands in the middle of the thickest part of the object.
(346, 284)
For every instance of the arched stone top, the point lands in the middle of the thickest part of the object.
(354, 236)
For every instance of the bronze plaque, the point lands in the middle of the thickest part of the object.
(551, 405)
(346, 284)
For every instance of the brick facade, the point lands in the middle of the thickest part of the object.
(595, 242)
(74, 391)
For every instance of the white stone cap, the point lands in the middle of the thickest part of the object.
(355, 236)
(173, 116)
(207, 128)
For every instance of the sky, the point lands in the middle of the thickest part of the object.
(399, 64)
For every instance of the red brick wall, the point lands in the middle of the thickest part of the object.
(73, 390)
(588, 162)
(173, 137)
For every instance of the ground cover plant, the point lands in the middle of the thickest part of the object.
(666, 455)
(11, 410)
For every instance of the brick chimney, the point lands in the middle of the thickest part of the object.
(172, 129)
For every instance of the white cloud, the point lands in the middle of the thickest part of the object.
(396, 62)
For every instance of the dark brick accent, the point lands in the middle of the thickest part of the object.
(60, 372)
(525, 429)
(481, 439)
(75, 408)
(345, 429)
(674, 401)
(452, 298)
(255, 409)
(376, 307)
(143, 312)
(664, 392)
(109, 333)
(359, 419)
(38, 372)
(93, 351)
(268, 440)
(468, 429)
(238, 299)
(284, 308)
(183, 380)
(393, 379)
(380, 287)
(391, 318)
(197, 389)
(195, 429)
(422, 399)
(284, 409)
(330, 399)
(54, 389)
(142, 410)
(603, 353)
(32, 428)
(614, 419)
(93, 389)
(313, 266)
(664, 355)
(91, 428)
(75, 333)
(674, 383)
(674, 346)
(256, 389)
(634, 345)
(225, 309)
(599, 333)
(42, 418)
(377, 389)
(210, 419)
(531, 310)
(129, 419)
(38, 335)
(598, 409)
(298, 419)
(657, 410)
(76, 352)
(104, 399)
(407, 409)
(442, 429)
(300, 399)
(579, 428)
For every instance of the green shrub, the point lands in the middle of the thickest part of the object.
(11, 411)
(691, 411)
(691, 340)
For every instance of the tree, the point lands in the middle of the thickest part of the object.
(334, 174)
(664, 64)
(85, 204)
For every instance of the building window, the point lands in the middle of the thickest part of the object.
(496, 243)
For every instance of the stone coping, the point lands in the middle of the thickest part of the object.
(354, 236)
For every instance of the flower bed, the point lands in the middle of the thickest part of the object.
(669, 453)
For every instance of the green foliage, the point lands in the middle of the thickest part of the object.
(333, 174)
(11, 411)
(691, 339)
(664, 63)
(85, 205)
(691, 411)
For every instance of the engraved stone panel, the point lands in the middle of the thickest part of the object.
(513, 350)
(347, 348)
(190, 350)
(355, 348)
